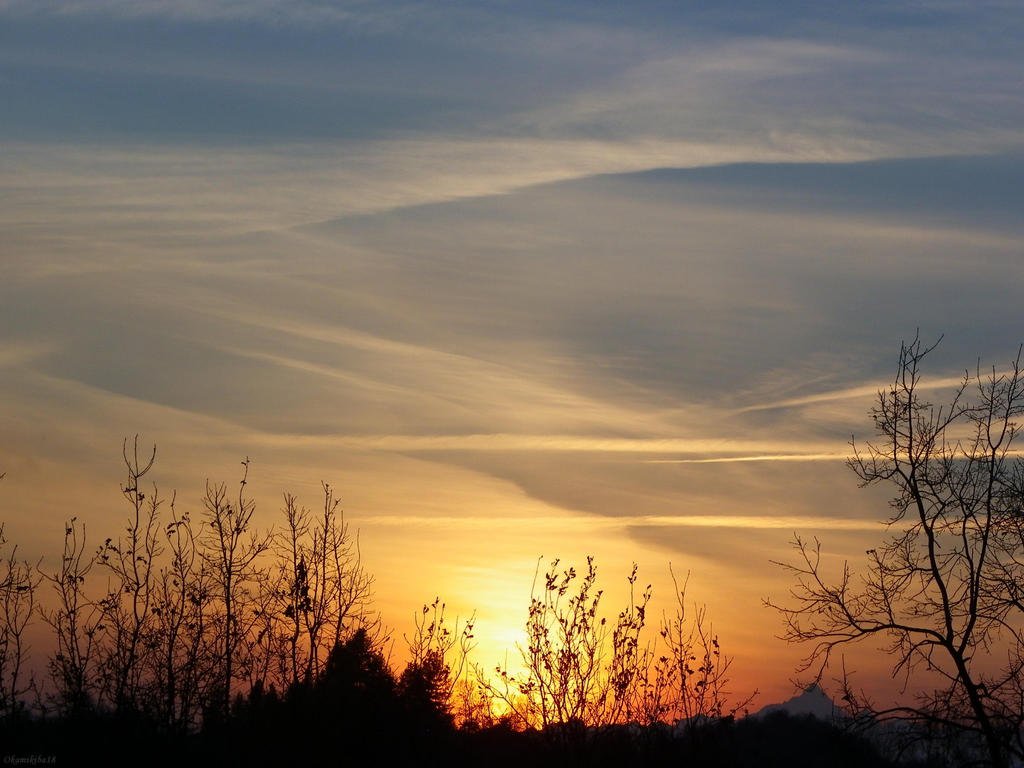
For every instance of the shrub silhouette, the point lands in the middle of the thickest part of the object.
(580, 669)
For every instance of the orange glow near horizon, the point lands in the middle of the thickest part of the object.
(484, 565)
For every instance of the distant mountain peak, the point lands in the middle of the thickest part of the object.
(813, 702)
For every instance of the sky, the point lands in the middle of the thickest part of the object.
(518, 279)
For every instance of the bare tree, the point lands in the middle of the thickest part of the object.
(472, 703)
(19, 580)
(131, 565)
(76, 620)
(688, 682)
(943, 590)
(171, 619)
(231, 550)
(336, 590)
(146, 641)
(182, 664)
(315, 594)
(629, 660)
(438, 657)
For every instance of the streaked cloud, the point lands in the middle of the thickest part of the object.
(213, 190)
(17, 353)
(562, 443)
(806, 523)
(859, 392)
(265, 11)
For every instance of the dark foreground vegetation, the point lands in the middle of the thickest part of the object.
(198, 638)
(358, 711)
(202, 640)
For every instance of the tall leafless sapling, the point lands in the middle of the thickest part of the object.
(19, 580)
(75, 620)
(131, 564)
(438, 657)
(183, 663)
(688, 681)
(231, 549)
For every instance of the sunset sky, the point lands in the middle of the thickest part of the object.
(518, 279)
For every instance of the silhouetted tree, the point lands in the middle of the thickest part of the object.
(438, 657)
(355, 697)
(231, 549)
(183, 669)
(472, 704)
(688, 680)
(313, 597)
(76, 620)
(125, 645)
(19, 581)
(945, 589)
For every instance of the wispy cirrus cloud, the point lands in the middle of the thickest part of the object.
(707, 449)
(860, 392)
(16, 352)
(746, 522)
(304, 12)
(200, 190)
